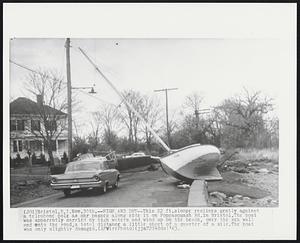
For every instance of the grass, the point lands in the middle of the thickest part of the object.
(258, 154)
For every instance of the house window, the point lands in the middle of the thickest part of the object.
(15, 146)
(35, 125)
(51, 125)
(20, 125)
(17, 125)
(20, 145)
(13, 125)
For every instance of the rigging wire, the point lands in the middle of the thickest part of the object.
(127, 103)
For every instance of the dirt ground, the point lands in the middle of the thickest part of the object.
(25, 187)
(251, 182)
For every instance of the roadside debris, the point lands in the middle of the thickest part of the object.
(219, 199)
(218, 195)
(184, 186)
(153, 167)
(263, 170)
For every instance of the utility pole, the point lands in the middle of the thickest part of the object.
(199, 112)
(69, 89)
(167, 112)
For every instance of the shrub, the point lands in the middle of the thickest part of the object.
(33, 157)
(65, 158)
(43, 159)
(12, 163)
(129, 163)
(17, 160)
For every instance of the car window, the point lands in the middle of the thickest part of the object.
(105, 165)
(83, 166)
(102, 167)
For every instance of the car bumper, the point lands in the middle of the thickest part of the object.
(78, 185)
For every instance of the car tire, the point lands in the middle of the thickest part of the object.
(116, 185)
(104, 188)
(67, 192)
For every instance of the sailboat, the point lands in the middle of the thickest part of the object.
(194, 162)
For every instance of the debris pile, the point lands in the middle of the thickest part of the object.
(219, 199)
(184, 186)
(153, 167)
(254, 166)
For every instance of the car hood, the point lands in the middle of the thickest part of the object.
(77, 175)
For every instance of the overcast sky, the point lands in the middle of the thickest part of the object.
(217, 68)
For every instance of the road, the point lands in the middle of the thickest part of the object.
(136, 189)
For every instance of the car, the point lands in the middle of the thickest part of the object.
(139, 154)
(86, 174)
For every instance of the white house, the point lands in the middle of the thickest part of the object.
(26, 127)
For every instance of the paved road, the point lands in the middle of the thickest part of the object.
(138, 189)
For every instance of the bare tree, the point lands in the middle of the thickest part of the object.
(242, 116)
(109, 118)
(193, 102)
(49, 120)
(94, 136)
(130, 120)
(151, 112)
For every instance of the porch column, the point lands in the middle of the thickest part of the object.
(56, 146)
(43, 149)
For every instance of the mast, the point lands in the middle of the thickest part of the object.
(127, 103)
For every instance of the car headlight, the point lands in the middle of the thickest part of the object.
(96, 177)
(53, 180)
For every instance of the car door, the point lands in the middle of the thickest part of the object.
(113, 174)
(108, 174)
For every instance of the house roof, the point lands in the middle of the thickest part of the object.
(24, 105)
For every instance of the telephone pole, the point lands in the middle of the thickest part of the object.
(69, 90)
(199, 112)
(167, 112)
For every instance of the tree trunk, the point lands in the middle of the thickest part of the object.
(50, 153)
(30, 164)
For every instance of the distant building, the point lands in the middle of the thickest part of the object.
(26, 125)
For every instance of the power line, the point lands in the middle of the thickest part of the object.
(167, 111)
(32, 70)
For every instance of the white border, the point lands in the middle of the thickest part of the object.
(169, 21)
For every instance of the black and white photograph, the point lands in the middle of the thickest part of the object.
(143, 122)
(149, 121)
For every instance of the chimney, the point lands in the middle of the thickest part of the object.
(39, 100)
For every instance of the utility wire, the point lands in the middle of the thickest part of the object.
(32, 70)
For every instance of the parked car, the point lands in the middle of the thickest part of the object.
(139, 154)
(86, 174)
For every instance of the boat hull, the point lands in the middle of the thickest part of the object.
(195, 162)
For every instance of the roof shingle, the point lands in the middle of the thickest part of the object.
(24, 105)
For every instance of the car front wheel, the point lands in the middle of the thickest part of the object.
(116, 183)
(67, 192)
(104, 188)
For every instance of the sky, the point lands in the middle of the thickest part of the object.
(216, 68)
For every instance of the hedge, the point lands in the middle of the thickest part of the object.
(130, 163)
(122, 164)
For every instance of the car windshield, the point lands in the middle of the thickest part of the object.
(83, 166)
